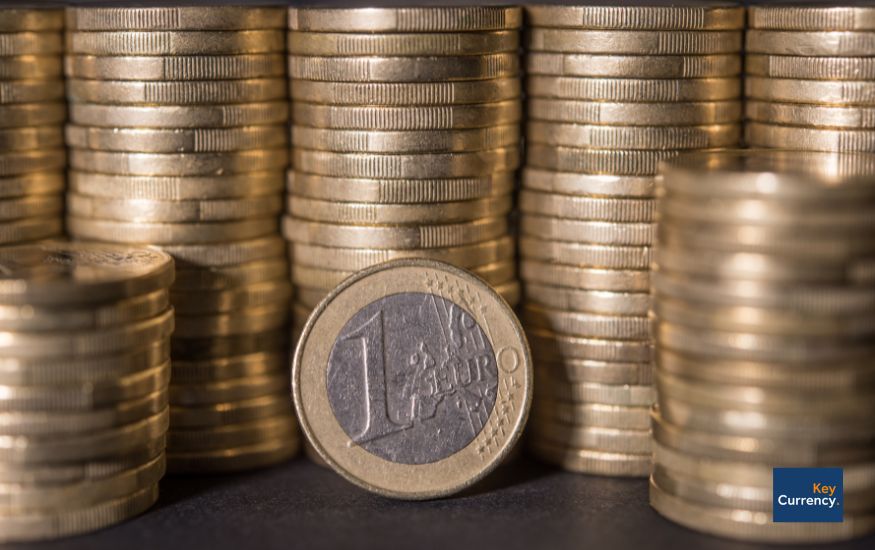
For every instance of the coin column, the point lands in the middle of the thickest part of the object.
(84, 368)
(32, 114)
(178, 138)
(764, 343)
(611, 91)
(810, 81)
(405, 141)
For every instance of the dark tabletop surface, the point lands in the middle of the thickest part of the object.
(524, 505)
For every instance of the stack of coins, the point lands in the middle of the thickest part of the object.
(32, 114)
(611, 91)
(405, 140)
(765, 347)
(84, 367)
(179, 139)
(810, 81)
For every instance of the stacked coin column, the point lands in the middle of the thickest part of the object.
(84, 368)
(810, 81)
(405, 142)
(763, 293)
(179, 139)
(610, 91)
(32, 114)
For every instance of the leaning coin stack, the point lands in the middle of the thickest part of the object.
(611, 91)
(32, 114)
(765, 347)
(84, 371)
(405, 140)
(179, 139)
(810, 81)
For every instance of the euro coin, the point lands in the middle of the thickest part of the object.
(153, 42)
(401, 44)
(642, 66)
(710, 16)
(628, 89)
(429, 19)
(633, 41)
(406, 93)
(185, 68)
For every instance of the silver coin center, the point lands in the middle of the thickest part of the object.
(412, 378)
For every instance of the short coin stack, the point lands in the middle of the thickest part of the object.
(810, 81)
(32, 114)
(179, 139)
(765, 346)
(611, 91)
(405, 140)
(84, 371)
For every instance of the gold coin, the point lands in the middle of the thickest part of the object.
(39, 183)
(25, 67)
(548, 228)
(313, 277)
(34, 527)
(230, 277)
(369, 214)
(235, 459)
(355, 259)
(244, 321)
(826, 116)
(406, 93)
(231, 253)
(588, 325)
(633, 89)
(403, 191)
(587, 255)
(794, 137)
(667, 17)
(393, 237)
(175, 18)
(559, 346)
(634, 114)
(172, 188)
(224, 346)
(415, 166)
(570, 183)
(404, 69)
(623, 395)
(637, 66)
(30, 207)
(168, 233)
(241, 366)
(810, 68)
(441, 296)
(34, 90)
(173, 116)
(202, 140)
(579, 371)
(131, 92)
(215, 67)
(38, 137)
(369, 118)
(594, 414)
(425, 19)
(409, 141)
(26, 162)
(31, 19)
(177, 164)
(112, 43)
(587, 208)
(593, 462)
(810, 91)
(229, 390)
(32, 114)
(401, 44)
(633, 137)
(611, 440)
(543, 290)
(143, 210)
(811, 43)
(30, 43)
(222, 414)
(30, 229)
(633, 41)
(812, 18)
(256, 432)
(253, 295)
(591, 161)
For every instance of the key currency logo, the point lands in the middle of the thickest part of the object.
(412, 378)
(808, 495)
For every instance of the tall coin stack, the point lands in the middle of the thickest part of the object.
(179, 139)
(765, 346)
(610, 91)
(810, 81)
(405, 140)
(32, 114)
(84, 368)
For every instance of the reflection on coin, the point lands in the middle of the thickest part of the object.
(486, 350)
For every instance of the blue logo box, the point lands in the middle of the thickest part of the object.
(808, 495)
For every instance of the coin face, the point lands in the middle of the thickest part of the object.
(412, 379)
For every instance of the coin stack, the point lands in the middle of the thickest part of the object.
(810, 81)
(405, 140)
(32, 114)
(763, 292)
(84, 368)
(610, 91)
(179, 139)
